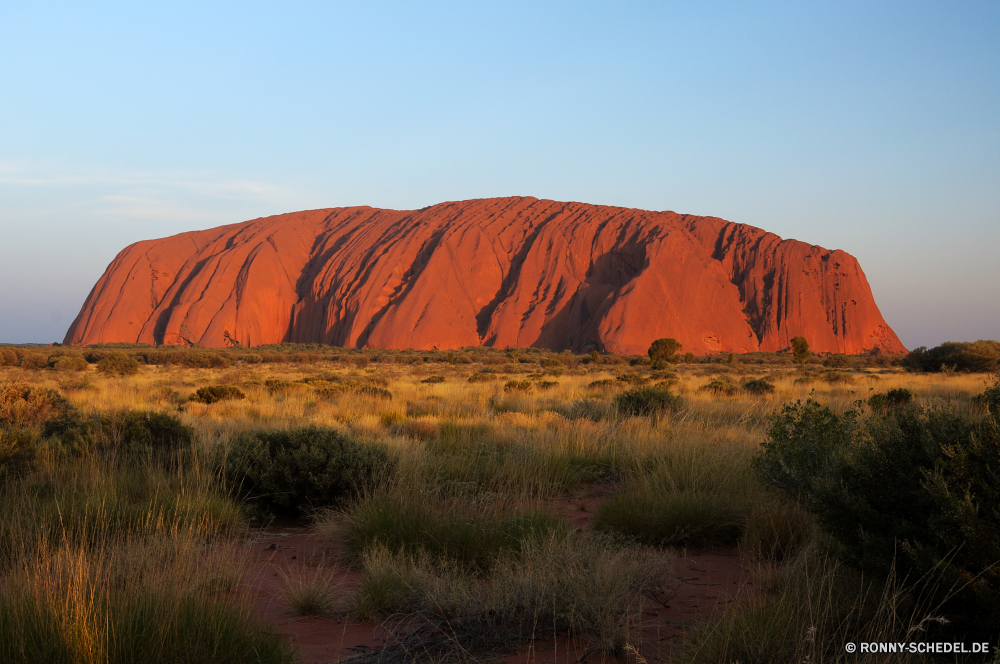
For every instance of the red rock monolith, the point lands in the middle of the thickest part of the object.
(502, 272)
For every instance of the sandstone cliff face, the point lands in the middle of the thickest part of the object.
(507, 272)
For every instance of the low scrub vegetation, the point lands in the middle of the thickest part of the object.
(216, 393)
(298, 471)
(644, 401)
(485, 493)
(904, 489)
(573, 586)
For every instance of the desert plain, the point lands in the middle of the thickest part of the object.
(316, 504)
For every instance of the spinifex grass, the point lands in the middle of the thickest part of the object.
(312, 590)
(473, 538)
(572, 585)
(153, 595)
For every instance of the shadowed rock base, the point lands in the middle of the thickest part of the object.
(503, 272)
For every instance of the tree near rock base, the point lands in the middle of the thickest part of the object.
(800, 350)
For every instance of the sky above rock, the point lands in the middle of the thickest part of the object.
(875, 130)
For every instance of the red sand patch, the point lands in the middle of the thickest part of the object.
(706, 582)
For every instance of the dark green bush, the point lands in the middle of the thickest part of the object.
(117, 364)
(894, 398)
(127, 434)
(664, 350)
(296, 471)
(643, 401)
(905, 488)
(517, 386)
(758, 386)
(433, 380)
(215, 393)
(8, 357)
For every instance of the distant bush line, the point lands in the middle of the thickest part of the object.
(117, 359)
(963, 356)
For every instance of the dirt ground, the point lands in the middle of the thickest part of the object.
(706, 581)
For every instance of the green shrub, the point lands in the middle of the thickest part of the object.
(804, 439)
(297, 471)
(664, 350)
(251, 358)
(551, 362)
(433, 380)
(894, 398)
(546, 384)
(644, 401)
(482, 377)
(758, 386)
(128, 434)
(216, 393)
(904, 486)
(517, 386)
(117, 364)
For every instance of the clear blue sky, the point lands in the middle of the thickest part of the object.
(868, 127)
